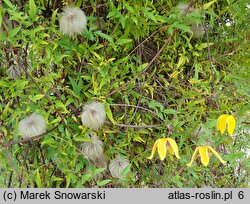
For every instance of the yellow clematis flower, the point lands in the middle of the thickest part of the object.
(203, 151)
(164, 146)
(226, 121)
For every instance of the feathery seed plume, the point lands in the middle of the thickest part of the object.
(197, 29)
(93, 115)
(73, 21)
(117, 165)
(182, 7)
(93, 149)
(32, 125)
(14, 71)
(7, 24)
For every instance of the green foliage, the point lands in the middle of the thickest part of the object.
(182, 90)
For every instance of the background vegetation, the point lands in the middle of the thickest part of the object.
(148, 94)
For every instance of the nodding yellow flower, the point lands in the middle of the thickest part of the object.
(226, 121)
(164, 146)
(204, 154)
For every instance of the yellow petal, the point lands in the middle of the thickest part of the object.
(193, 157)
(203, 150)
(153, 150)
(217, 155)
(162, 148)
(170, 150)
(173, 147)
(221, 123)
(231, 123)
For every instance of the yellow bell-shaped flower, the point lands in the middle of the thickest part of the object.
(164, 146)
(204, 154)
(226, 121)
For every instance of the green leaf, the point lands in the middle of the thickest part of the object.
(202, 46)
(3, 84)
(114, 12)
(181, 61)
(234, 156)
(60, 104)
(48, 140)
(6, 110)
(169, 111)
(196, 71)
(86, 177)
(1, 19)
(68, 180)
(14, 32)
(207, 5)
(103, 35)
(37, 97)
(79, 138)
(220, 139)
(76, 88)
(138, 138)
(59, 58)
(122, 20)
(54, 178)
(38, 179)
(9, 4)
(150, 16)
(65, 43)
(125, 171)
(104, 182)
(183, 27)
(177, 181)
(53, 17)
(123, 41)
(109, 113)
(98, 171)
(32, 9)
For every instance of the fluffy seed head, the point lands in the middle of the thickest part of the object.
(73, 20)
(8, 23)
(93, 149)
(182, 7)
(14, 71)
(93, 115)
(32, 125)
(196, 28)
(199, 132)
(116, 167)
